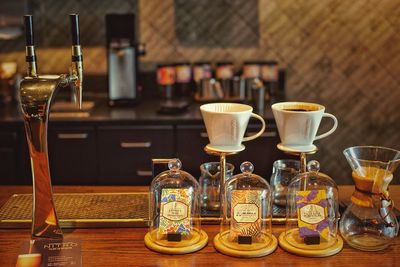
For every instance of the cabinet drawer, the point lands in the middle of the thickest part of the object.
(72, 155)
(8, 139)
(8, 170)
(125, 153)
(9, 149)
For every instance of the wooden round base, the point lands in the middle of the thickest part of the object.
(312, 149)
(226, 150)
(318, 253)
(201, 243)
(245, 253)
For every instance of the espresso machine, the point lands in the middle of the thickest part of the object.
(122, 60)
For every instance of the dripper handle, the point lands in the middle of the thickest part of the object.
(252, 137)
(335, 124)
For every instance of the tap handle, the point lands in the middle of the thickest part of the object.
(74, 19)
(30, 48)
(28, 21)
(77, 59)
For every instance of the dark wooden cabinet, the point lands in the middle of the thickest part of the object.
(8, 156)
(190, 142)
(73, 155)
(14, 157)
(125, 153)
(262, 152)
(108, 152)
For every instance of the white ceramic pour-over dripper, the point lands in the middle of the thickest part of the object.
(226, 124)
(298, 123)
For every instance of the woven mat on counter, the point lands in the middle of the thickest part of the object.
(91, 210)
(83, 210)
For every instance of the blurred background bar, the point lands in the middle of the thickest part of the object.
(342, 54)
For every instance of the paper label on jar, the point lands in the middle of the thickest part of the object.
(166, 75)
(312, 213)
(251, 71)
(183, 73)
(245, 213)
(175, 211)
(201, 72)
(225, 72)
(269, 73)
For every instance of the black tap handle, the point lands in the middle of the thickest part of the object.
(74, 18)
(28, 21)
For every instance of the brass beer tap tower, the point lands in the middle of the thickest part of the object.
(37, 92)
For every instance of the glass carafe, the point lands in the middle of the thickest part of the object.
(283, 172)
(368, 223)
(210, 186)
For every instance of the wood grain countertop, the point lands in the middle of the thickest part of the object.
(125, 246)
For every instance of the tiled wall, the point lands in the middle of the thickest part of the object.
(343, 54)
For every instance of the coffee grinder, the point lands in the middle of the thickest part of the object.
(122, 59)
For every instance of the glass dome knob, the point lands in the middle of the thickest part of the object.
(175, 165)
(313, 166)
(247, 167)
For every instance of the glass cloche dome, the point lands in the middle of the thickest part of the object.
(312, 215)
(175, 226)
(246, 217)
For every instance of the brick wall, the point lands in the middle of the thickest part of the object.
(343, 54)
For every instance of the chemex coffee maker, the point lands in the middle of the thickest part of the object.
(369, 222)
(122, 59)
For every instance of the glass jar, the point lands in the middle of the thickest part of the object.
(270, 76)
(210, 179)
(246, 229)
(175, 212)
(166, 80)
(224, 75)
(183, 79)
(283, 172)
(312, 215)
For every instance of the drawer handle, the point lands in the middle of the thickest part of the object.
(144, 173)
(204, 135)
(135, 144)
(265, 134)
(72, 136)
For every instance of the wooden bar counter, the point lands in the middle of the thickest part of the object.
(125, 246)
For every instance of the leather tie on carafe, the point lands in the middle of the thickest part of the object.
(382, 197)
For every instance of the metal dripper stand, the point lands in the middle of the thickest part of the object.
(222, 162)
(37, 92)
(301, 154)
